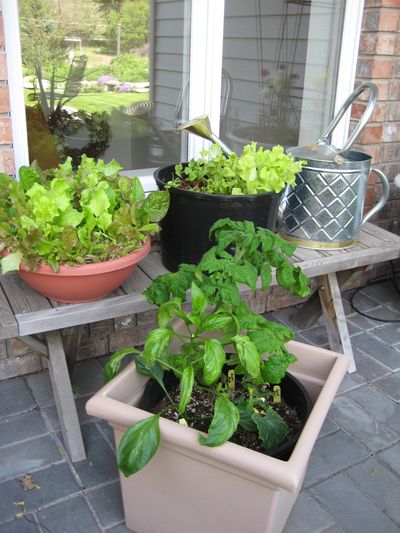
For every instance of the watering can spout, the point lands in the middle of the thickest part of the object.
(201, 126)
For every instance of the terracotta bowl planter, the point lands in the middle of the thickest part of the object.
(229, 489)
(75, 284)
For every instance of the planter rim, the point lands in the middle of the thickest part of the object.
(94, 268)
(206, 195)
(231, 455)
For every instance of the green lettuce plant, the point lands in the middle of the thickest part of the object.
(62, 216)
(220, 342)
(255, 171)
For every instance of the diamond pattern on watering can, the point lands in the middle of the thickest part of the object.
(321, 206)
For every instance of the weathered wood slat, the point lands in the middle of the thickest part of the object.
(138, 282)
(22, 298)
(77, 314)
(153, 266)
(381, 233)
(8, 324)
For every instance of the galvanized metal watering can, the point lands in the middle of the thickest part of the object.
(325, 208)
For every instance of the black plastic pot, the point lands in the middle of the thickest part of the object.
(293, 392)
(185, 229)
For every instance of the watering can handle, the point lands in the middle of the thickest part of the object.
(384, 197)
(373, 95)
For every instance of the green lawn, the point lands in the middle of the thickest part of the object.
(101, 101)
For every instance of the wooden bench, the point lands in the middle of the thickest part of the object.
(25, 313)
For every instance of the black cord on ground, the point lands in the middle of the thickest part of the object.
(376, 282)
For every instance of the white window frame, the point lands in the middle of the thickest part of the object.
(207, 24)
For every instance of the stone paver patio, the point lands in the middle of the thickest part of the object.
(353, 480)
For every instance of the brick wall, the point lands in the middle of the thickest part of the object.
(379, 61)
(6, 150)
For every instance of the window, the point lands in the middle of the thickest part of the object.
(116, 80)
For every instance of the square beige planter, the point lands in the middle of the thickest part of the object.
(228, 489)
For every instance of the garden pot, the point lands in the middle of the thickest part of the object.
(185, 229)
(84, 283)
(226, 489)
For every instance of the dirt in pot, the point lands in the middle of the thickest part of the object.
(199, 412)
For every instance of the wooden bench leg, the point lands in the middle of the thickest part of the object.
(335, 319)
(64, 398)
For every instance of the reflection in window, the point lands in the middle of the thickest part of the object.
(87, 81)
(281, 57)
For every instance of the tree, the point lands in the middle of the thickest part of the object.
(42, 42)
(133, 15)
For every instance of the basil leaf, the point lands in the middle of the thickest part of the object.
(138, 445)
(272, 429)
(156, 342)
(215, 321)
(137, 192)
(224, 423)
(167, 312)
(199, 299)
(114, 363)
(186, 387)
(214, 359)
(246, 412)
(156, 371)
(248, 355)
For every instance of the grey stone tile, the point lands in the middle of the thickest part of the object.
(368, 367)
(15, 397)
(362, 322)
(52, 417)
(363, 302)
(72, 516)
(41, 388)
(316, 336)
(377, 405)
(350, 381)
(391, 457)
(388, 333)
(328, 427)
(307, 516)
(380, 485)
(350, 507)
(107, 430)
(382, 313)
(28, 456)
(87, 377)
(331, 454)
(101, 464)
(107, 503)
(361, 427)
(382, 293)
(384, 353)
(54, 483)
(390, 385)
(121, 528)
(21, 427)
(22, 525)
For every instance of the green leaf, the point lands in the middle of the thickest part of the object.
(138, 445)
(167, 312)
(214, 360)
(248, 355)
(114, 363)
(215, 321)
(186, 387)
(156, 205)
(156, 372)
(272, 429)
(99, 203)
(11, 262)
(27, 177)
(275, 367)
(199, 299)
(266, 276)
(246, 412)
(137, 192)
(224, 423)
(155, 345)
(284, 276)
